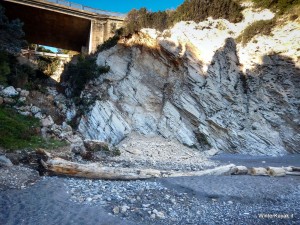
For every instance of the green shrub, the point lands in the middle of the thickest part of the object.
(111, 42)
(199, 10)
(4, 68)
(19, 132)
(79, 74)
(11, 34)
(263, 27)
(277, 5)
(48, 65)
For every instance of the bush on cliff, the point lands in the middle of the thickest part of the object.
(190, 10)
(11, 34)
(79, 74)
(262, 27)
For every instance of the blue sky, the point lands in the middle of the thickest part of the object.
(124, 6)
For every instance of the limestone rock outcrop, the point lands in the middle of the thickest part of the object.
(193, 83)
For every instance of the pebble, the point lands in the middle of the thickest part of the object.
(116, 210)
(124, 208)
(153, 216)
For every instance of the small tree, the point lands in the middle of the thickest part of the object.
(11, 34)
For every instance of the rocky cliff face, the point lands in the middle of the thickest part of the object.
(193, 83)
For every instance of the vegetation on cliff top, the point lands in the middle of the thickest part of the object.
(280, 6)
(264, 27)
(195, 10)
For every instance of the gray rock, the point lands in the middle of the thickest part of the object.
(5, 162)
(39, 115)
(10, 92)
(124, 208)
(22, 99)
(153, 216)
(35, 109)
(24, 93)
(116, 210)
(47, 122)
(78, 149)
(9, 101)
(94, 145)
(66, 127)
(25, 113)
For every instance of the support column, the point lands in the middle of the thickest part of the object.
(101, 30)
(96, 35)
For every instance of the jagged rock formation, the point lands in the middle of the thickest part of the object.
(194, 84)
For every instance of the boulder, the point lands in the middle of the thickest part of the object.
(24, 93)
(25, 113)
(39, 115)
(66, 127)
(78, 149)
(1, 100)
(22, 99)
(9, 101)
(10, 92)
(5, 162)
(95, 146)
(35, 109)
(47, 122)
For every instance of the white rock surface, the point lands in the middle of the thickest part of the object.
(104, 123)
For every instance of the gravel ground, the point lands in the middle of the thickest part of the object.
(17, 177)
(185, 200)
(182, 200)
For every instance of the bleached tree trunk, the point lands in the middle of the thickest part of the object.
(60, 166)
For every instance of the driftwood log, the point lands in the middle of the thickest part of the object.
(60, 166)
(258, 171)
(240, 170)
(276, 171)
